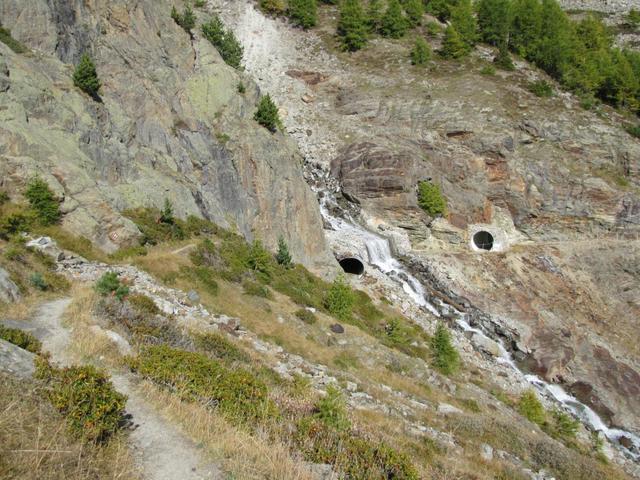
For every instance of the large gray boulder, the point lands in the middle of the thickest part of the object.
(9, 291)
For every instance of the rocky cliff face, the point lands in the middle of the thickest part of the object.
(171, 125)
(557, 185)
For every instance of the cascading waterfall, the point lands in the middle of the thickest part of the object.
(381, 257)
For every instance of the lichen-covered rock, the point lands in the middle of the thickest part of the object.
(9, 291)
(171, 124)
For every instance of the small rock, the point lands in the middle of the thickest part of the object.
(337, 328)
(625, 442)
(193, 296)
(486, 452)
(47, 246)
(486, 344)
(446, 409)
(352, 387)
(306, 98)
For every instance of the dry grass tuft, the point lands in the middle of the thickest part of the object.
(246, 456)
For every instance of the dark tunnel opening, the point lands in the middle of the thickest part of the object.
(483, 240)
(352, 265)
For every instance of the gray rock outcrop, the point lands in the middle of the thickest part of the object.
(9, 291)
(171, 124)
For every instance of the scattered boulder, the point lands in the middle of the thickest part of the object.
(16, 361)
(47, 246)
(447, 409)
(486, 345)
(486, 452)
(9, 291)
(193, 296)
(337, 328)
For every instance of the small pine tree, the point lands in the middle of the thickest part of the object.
(187, 19)
(463, 20)
(225, 41)
(453, 46)
(445, 356)
(352, 25)
(339, 299)
(85, 76)
(531, 408)
(303, 13)
(267, 114)
(421, 53)
(166, 215)
(415, 11)
(374, 15)
(430, 199)
(43, 201)
(503, 59)
(394, 24)
(283, 257)
(332, 410)
(260, 260)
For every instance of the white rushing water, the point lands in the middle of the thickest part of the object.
(380, 255)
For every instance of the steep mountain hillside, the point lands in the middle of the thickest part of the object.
(170, 124)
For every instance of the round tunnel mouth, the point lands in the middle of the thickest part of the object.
(483, 240)
(352, 265)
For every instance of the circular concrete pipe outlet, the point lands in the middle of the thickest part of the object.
(483, 240)
(351, 265)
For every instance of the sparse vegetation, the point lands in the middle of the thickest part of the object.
(110, 284)
(306, 316)
(186, 19)
(216, 345)
(38, 281)
(85, 76)
(340, 299)
(256, 289)
(421, 52)
(445, 357)
(430, 199)
(541, 88)
(274, 7)
(93, 408)
(224, 40)
(352, 25)
(531, 408)
(332, 410)
(195, 377)
(20, 338)
(9, 41)
(267, 114)
(43, 202)
(394, 24)
(303, 13)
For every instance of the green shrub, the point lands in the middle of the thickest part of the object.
(306, 316)
(430, 199)
(55, 282)
(301, 286)
(187, 19)
(267, 114)
(38, 281)
(488, 70)
(374, 14)
(340, 299)
(354, 457)
(15, 223)
(394, 24)
(414, 10)
(256, 289)
(217, 345)
(433, 28)
(564, 426)
(241, 88)
(530, 407)
(15, 253)
(352, 25)
(166, 214)
(224, 41)
(453, 46)
(633, 18)
(43, 201)
(154, 231)
(303, 13)
(194, 376)
(85, 76)
(143, 304)
(206, 278)
(93, 408)
(503, 59)
(541, 88)
(421, 52)
(445, 356)
(127, 252)
(283, 257)
(199, 3)
(332, 410)
(109, 284)
(20, 338)
(274, 7)
(633, 130)
(9, 41)
(259, 259)
(4, 197)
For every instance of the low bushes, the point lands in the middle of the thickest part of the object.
(21, 339)
(193, 376)
(256, 289)
(42, 201)
(430, 199)
(306, 316)
(218, 346)
(541, 88)
(109, 284)
(340, 299)
(93, 408)
(530, 407)
(9, 41)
